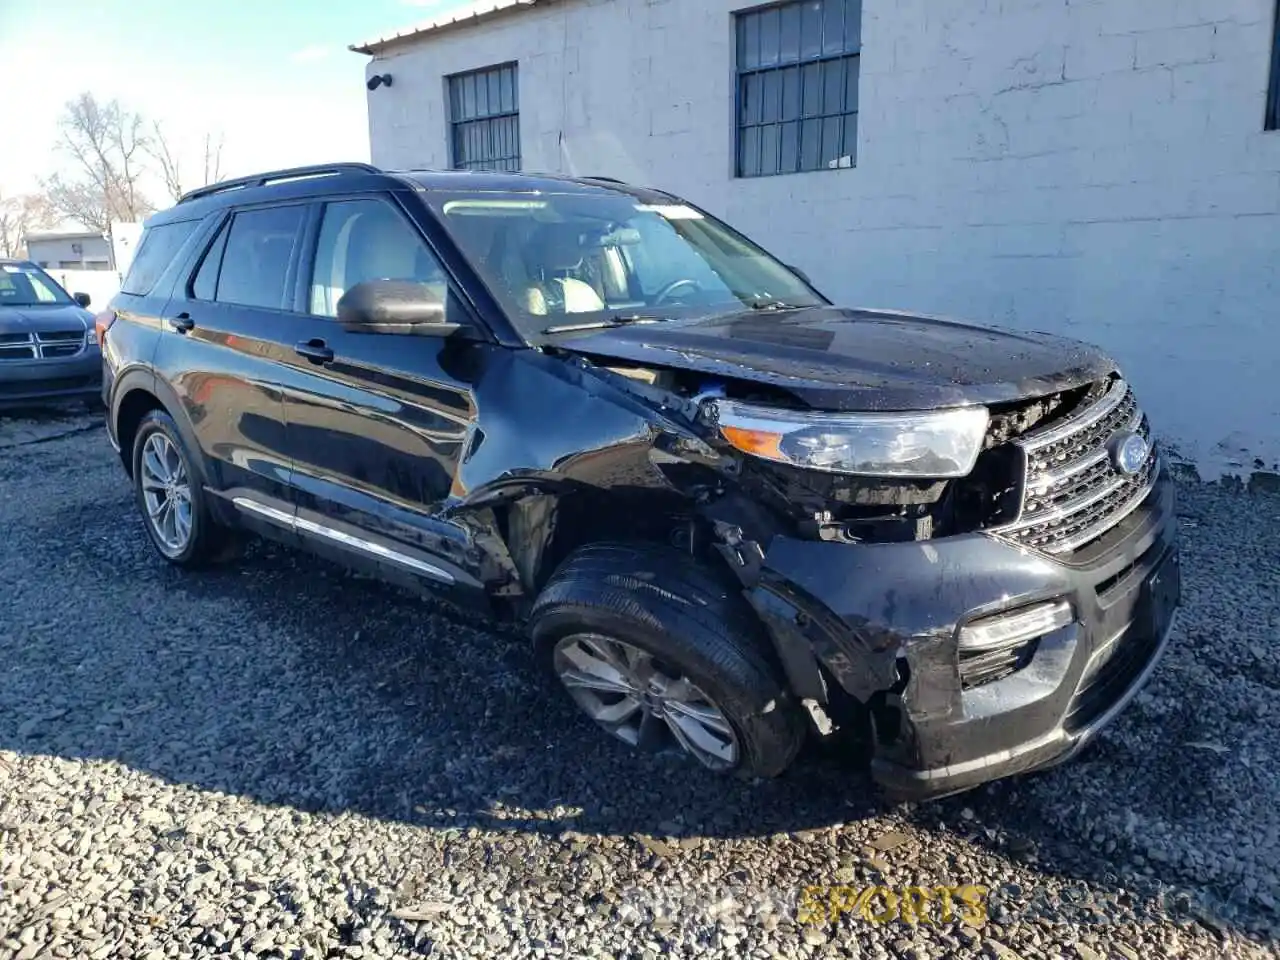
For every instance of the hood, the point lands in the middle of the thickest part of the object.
(70, 316)
(836, 359)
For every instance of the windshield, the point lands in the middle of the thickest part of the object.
(569, 259)
(26, 285)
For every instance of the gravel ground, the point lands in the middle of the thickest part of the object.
(278, 759)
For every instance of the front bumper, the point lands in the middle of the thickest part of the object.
(884, 620)
(24, 381)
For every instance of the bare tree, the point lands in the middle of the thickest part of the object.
(212, 159)
(79, 201)
(108, 145)
(168, 161)
(19, 216)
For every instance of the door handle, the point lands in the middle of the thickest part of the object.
(317, 351)
(182, 323)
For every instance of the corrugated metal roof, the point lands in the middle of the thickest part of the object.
(472, 13)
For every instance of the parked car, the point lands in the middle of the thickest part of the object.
(731, 514)
(48, 344)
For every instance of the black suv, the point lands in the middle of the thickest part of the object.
(730, 514)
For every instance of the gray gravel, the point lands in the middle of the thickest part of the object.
(277, 759)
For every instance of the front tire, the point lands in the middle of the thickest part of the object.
(660, 653)
(173, 505)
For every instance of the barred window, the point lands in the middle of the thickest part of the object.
(797, 95)
(484, 118)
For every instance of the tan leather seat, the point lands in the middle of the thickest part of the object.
(577, 296)
(533, 265)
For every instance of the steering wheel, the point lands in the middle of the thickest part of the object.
(668, 291)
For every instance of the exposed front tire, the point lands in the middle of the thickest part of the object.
(173, 505)
(660, 653)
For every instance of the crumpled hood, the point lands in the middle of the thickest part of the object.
(69, 316)
(838, 359)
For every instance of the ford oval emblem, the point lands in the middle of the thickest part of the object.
(1129, 452)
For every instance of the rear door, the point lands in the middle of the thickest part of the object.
(139, 308)
(229, 333)
(377, 423)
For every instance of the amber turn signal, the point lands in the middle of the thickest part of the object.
(762, 443)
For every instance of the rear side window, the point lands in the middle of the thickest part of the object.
(255, 260)
(160, 244)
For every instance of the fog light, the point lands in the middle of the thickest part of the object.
(1011, 629)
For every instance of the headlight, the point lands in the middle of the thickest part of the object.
(91, 337)
(938, 444)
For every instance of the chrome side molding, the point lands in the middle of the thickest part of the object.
(368, 547)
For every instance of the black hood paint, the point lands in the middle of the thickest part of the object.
(838, 359)
(66, 316)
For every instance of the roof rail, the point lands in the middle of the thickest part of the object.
(605, 179)
(290, 173)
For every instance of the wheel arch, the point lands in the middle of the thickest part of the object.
(529, 530)
(680, 603)
(136, 394)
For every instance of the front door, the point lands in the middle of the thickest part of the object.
(376, 432)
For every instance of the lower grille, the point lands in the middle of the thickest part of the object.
(1073, 492)
(1110, 679)
(1110, 589)
(979, 667)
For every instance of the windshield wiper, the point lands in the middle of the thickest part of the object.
(774, 305)
(603, 324)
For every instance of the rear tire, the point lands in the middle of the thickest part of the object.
(658, 651)
(174, 506)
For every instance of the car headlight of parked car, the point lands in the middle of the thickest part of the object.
(938, 444)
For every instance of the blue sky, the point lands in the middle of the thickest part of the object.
(273, 77)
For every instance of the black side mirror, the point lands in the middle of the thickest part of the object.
(394, 306)
(82, 298)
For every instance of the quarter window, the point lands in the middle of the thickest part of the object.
(367, 240)
(205, 284)
(255, 262)
(797, 95)
(160, 244)
(484, 119)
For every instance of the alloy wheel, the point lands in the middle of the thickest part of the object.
(642, 700)
(166, 493)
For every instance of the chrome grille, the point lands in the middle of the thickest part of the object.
(17, 346)
(60, 343)
(1073, 493)
(47, 345)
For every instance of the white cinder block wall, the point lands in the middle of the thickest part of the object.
(1095, 168)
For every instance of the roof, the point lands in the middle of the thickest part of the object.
(65, 235)
(301, 183)
(488, 181)
(475, 12)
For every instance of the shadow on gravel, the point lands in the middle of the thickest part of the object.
(342, 694)
(286, 681)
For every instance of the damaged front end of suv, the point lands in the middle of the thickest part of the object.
(969, 576)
